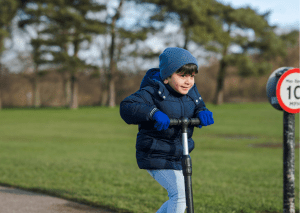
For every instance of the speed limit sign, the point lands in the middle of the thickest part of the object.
(288, 91)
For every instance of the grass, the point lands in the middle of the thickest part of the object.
(88, 155)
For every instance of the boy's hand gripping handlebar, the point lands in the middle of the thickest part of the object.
(186, 159)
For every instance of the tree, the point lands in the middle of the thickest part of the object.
(32, 16)
(8, 10)
(112, 63)
(196, 18)
(122, 37)
(246, 29)
(68, 25)
(291, 42)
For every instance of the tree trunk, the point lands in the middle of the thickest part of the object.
(219, 96)
(74, 80)
(186, 39)
(66, 90)
(111, 84)
(68, 93)
(112, 93)
(74, 92)
(104, 87)
(37, 99)
(36, 90)
(104, 97)
(112, 64)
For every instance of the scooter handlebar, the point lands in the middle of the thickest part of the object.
(175, 122)
(190, 121)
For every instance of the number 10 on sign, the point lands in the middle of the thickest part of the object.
(296, 92)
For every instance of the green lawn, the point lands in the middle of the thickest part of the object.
(88, 155)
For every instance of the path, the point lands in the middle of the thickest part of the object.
(14, 200)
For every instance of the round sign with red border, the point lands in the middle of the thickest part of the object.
(288, 91)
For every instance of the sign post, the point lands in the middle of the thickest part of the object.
(283, 91)
(288, 96)
(288, 162)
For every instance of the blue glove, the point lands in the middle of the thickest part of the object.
(206, 118)
(162, 121)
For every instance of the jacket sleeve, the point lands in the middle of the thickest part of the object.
(201, 106)
(138, 107)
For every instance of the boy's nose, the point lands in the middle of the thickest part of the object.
(188, 80)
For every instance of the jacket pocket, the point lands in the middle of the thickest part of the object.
(178, 151)
(145, 143)
(167, 150)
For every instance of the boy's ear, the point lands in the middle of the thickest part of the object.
(166, 81)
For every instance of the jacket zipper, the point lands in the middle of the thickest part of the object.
(182, 107)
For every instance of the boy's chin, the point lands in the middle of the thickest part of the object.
(183, 92)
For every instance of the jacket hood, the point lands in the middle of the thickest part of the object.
(151, 76)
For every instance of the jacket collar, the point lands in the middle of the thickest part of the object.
(152, 79)
(164, 92)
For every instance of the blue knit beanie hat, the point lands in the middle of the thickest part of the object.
(172, 59)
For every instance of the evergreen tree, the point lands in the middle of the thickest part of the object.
(262, 42)
(68, 24)
(33, 17)
(196, 18)
(112, 63)
(121, 37)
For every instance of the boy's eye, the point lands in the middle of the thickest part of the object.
(185, 75)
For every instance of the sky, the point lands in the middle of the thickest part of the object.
(284, 13)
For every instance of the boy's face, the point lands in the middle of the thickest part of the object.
(180, 82)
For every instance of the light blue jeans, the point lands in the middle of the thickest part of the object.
(173, 182)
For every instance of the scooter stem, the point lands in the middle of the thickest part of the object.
(187, 167)
(186, 159)
(184, 123)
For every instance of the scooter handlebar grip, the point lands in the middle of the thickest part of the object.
(195, 121)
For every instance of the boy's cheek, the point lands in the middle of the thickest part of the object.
(176, 87)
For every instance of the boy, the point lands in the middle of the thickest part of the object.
(167, 92)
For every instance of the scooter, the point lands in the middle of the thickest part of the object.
(186, 159)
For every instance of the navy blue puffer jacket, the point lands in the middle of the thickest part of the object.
(160, 149)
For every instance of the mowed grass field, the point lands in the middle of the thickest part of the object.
(88, 155)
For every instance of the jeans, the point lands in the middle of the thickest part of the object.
(173, 182)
